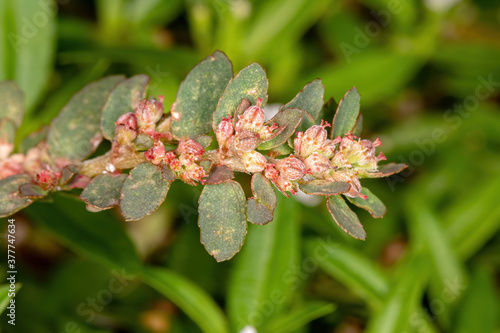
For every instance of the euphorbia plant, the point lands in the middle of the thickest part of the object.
(151, 147)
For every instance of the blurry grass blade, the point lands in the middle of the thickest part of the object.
(194, 301)
(353, 269)
(403, 301)
(299, 318)
(4, 295)
(99, 237)
(345, 218)
(265, 274)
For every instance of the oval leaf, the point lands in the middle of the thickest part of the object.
(263, 191)
(30, 190)
(347, 113)
(250, 83)
(124, 98)
(290, 118)
(143, 191)
(222, 219)
(103, 192)
(386, 170)
(76, 132)
(258, 213)
(10, 198)
(372, 204)
(199, 94)
(309, 99)
(345, 217)
(323, 187)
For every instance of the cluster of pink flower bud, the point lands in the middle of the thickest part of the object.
(183, 162)
(237, 145)
(47, 179)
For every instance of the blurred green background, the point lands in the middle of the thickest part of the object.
(429, 76)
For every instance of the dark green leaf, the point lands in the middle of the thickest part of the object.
(345, 217)
(263, 191)
(347, 113)
(309, 99)
(358, 128)
(103, 192)
(10, 198)
(30, 190)
(258, 213)
(76, 132)
(372, 204)
(193, 300)
(250, 83)
(199, 94)
(12, 106)
(124, 98)
(222, 219)
(323, 187)
(291, 119)
(143, 191)
(67, 173)
(328, 111)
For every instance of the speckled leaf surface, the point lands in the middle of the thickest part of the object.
(323, 187)
(222, 219)
(260, 208)
(291, 119)
(11, 102)
(309, 99)
(143, 191)
(124, 98)
(250, 83)
(219, 174)
(345, 218)
(76, 132)
(167, 173)
(258, 213)
(347, 113)
(386, 170)
(30, 190)
(103, 192)
(10, 198)
(372, 203)
(199, 94)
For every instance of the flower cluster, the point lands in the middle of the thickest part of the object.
(237, 144)
(183, 162)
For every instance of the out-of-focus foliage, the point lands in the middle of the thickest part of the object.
(429, 78)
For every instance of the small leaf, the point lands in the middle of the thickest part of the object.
(67, 173)
(323, 187)
(199, 94)
(12, 106)
(222, 219)
(103, 192)
(30, 190)
(250, 83)
(10, 198)
(76, 132)
(291, 119)
(219, 174)
(204, 140)
(358, 128)
(143, 191)
(347, 113)
(386, 170)
(167, 173)
(193, 300)
(124, 98)
(263, 191)
(309, 99)
(258, 213)
(372, 204)
(345, 217)
(283, 149)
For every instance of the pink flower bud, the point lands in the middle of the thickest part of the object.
(128, 120)
(246, 140)
(191, 147)
(47, 179)
(124, 134)
(317, 163)
(314, 138)
(156, 153)
(193, 173)
(252, 119)
(224, 132)
(291, 168)
(149, 112)
(285, 185)
(271, 172)
(253, 161)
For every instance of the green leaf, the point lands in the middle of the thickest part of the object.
(372, 204)
(299, 318)
(10, 198)
(12, 106)
(199, 94)
(30, 190)
(33, 140)
(124, 98)
(291, 119)
(347, 113)
(264, 275)
(345, 218)
(193, 300)
(167, 173)
(260, 208)
(103, 192)
(99, 237)
(143, 191)
(4, 295)
(219, 174)
(258, 213)
(353, 269)
(309, 99)
(76, 132)
(323, 187)
(385, 170)
(222, 219)
(250, 83)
